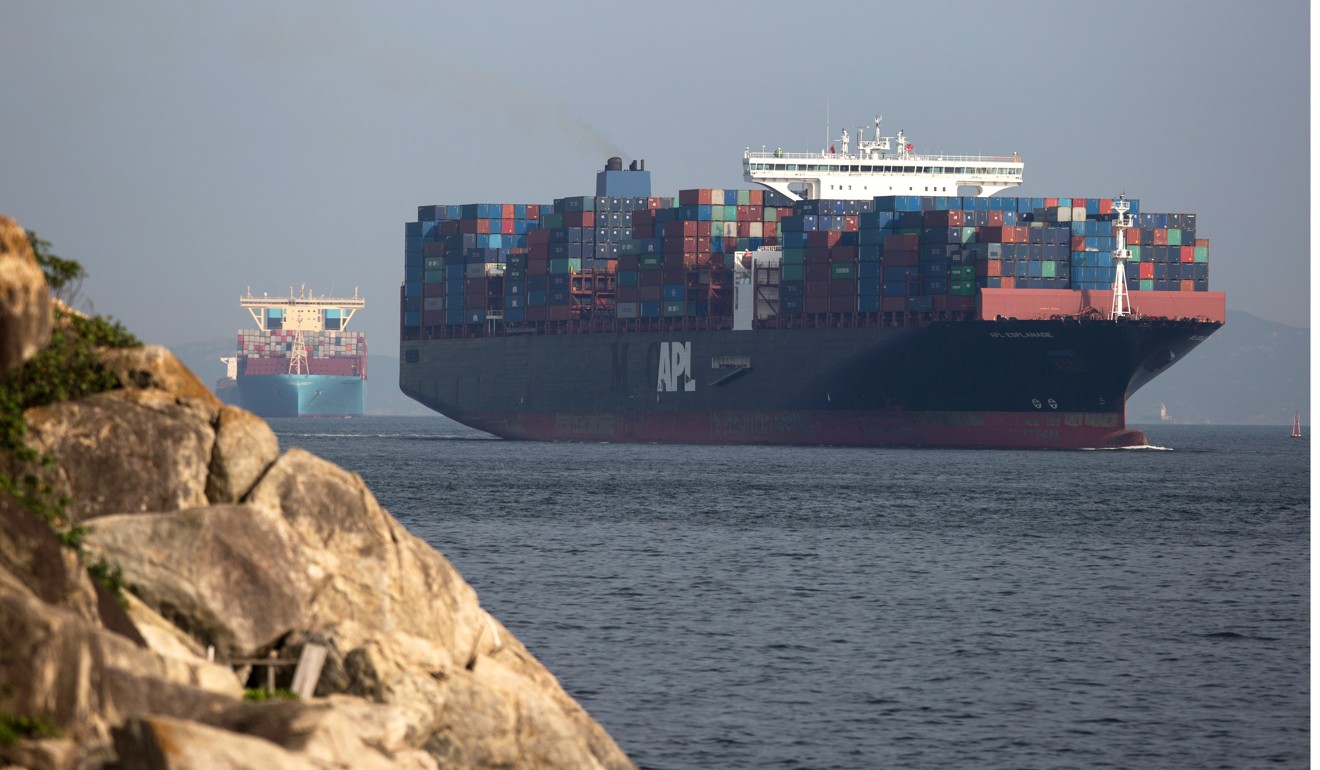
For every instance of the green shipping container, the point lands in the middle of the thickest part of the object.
(769, 214)
(1175, 236)
(652, 261)
(1047, 269)
(674, 309)
(962, 273)
(744, 197)
(552, 220)
(962, 288)
(793, 272)
(1201, 254)
(843, 271)
(1146, 284)
(1136, 252)
(968, 235)
(433, 276)
(794, 256)
(561, 265)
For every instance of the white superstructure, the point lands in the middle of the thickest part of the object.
(885, 165)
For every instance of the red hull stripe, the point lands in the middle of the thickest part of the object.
(1063, 430)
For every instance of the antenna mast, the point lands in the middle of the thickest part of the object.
(1121, 306)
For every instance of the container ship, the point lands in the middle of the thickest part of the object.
(863, 295)
(300, 360)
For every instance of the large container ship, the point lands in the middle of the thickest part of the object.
(300, 360)
(869, 295)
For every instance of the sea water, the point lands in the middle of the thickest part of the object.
(823, 607)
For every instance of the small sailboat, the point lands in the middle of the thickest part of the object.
(1297, 424)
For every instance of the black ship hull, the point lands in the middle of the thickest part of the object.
(1020, 384)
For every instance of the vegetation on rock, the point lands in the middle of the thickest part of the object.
(13, 729)
(68, 368)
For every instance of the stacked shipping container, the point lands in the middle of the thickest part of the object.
(328, 352)
(637, 258)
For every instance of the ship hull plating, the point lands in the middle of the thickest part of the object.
(309, 395)
(1019, 384)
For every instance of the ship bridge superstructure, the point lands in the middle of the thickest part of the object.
(302, 311)
(884, 165)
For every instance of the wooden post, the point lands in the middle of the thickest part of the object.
(308, 672)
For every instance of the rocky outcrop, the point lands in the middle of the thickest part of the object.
(25, 304)
(228, 545)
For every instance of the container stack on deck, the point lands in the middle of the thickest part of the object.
(328, 352)
(678, 262)
(625, 258)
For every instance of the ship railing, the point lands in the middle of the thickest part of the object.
(893, 156)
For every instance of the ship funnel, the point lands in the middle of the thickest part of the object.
(632, 166)
(614, 164)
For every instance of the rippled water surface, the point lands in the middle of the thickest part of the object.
(788, 607)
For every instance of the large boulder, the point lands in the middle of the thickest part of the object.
(232, 577)
(25, 303)
(125, 451)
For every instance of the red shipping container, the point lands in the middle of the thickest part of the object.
(814, 305)
(1202, 242)
(703, 229)
(1187, 253)
(1146, 271)
(843, 287)
(756, 198)
(850, 223)
(817, 271)
(1106, 205)
(1187, 286)
(1052, 202)
(467, 226)
(1007, 282)
(824, 238)
(1078, 243)
(507, 226)
(994, 218)
(893, 304)
(843, 254)
(899, 258)
(483, 226)
(1161, 237)
(539, 236)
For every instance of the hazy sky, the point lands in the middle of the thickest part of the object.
(185, 151)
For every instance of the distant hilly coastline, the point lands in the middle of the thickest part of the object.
(1251, 372)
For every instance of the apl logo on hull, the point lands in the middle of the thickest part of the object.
(675, 372)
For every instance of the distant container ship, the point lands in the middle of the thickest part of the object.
(862, 299)
(301, 361)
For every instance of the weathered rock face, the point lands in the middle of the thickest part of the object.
(227, 544)
(25, 304)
